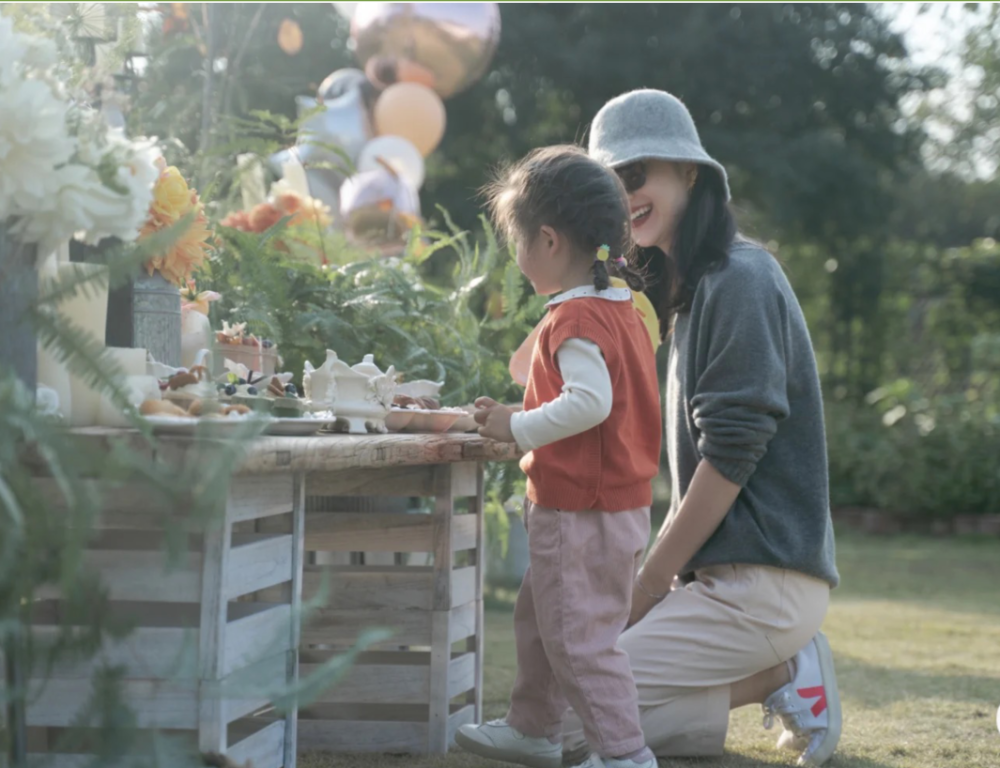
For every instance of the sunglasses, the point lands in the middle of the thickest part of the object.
(633, 176)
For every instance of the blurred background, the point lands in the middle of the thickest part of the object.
(862, 142)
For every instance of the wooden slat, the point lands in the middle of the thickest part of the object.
(463, 622)
(399, 481)
(461, 674)
(319, 453)
(353, 736)
(352, 587)
(463, 532)
(55, 760)
(378, 684)
(444, 557)
(245, 691)
(251, 638)
(209, 711)
(463, 716)
(251, 498)
(403, 682)
(463, 586)
(155, 703)
(464, 479)
(259, 565)
(366, 532)
(476, 643)
(262, 749)
(290, 742)
(147, 652)
(143, 576)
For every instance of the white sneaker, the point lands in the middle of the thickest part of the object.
(809, 706)
(499, 741)
(612, 762)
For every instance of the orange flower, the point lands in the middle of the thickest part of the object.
(263, 217)
(238, 220)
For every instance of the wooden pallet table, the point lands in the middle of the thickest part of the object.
(231, 604)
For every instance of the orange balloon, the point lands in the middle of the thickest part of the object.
(412, 111)
(290, 37)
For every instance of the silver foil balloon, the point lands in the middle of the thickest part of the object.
(343, 123)
(378, 207)
(340, 82)
(455, 41)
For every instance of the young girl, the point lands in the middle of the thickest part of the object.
(590, 424)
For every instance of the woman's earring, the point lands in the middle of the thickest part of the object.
(692, 178)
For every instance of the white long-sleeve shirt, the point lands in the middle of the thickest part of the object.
(586, 396)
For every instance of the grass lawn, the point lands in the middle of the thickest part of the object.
(915, 629)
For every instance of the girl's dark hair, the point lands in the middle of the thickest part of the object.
(561, 187)
(701, 244)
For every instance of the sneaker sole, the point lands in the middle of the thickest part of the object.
(507, 756)
(829, 743)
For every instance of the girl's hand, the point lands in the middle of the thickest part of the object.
(494, 420)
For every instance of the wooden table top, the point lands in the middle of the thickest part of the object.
(316, 453)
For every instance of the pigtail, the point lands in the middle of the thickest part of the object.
(601, 278)
(633, 276)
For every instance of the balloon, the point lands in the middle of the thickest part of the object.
(399, 154)
(412, 111)
(455, 41)
(378, 206)
(342, 123)
(290, 37)
(383, 71)
(339, 83)
(345, 9)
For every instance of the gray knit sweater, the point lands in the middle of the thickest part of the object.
(743, 392)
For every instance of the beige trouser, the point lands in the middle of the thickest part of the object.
(730, 623)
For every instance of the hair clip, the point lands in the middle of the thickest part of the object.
(603, 252)
(620, 262)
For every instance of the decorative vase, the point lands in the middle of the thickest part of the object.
(156, 317)
(18, 293)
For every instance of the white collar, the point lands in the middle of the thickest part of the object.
(590, 292)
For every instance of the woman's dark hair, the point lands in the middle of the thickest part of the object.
(701, 244)
(561, 187)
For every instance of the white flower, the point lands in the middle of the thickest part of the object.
(81, 203)
(19, 52)
(33, 141)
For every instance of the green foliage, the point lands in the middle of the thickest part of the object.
(386, 307)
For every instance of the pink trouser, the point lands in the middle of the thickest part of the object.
(573, 605)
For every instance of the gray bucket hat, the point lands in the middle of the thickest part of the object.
(648, 124)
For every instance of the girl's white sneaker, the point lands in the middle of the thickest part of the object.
(497, 740)
(809, 706)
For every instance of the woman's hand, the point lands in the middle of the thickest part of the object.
(643, 601)
(494, 420)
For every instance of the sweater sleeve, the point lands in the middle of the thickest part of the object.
(740, 391)
(584, 403)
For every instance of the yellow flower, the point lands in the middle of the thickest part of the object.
(172, 198)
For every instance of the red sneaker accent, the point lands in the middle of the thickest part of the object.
(818, 693)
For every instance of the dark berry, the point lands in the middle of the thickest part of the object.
(251, 390)
(267, 343)
(241, 381)
(291, 391)
(230, 389)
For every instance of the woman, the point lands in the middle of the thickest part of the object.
(727, 608)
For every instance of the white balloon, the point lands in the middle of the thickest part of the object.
(345, 9)
(377, 188)
(398, 153)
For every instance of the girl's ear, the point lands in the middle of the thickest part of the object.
(548, 239)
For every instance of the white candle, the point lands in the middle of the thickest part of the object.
(295, 175)
(131, 361)
(251, 180)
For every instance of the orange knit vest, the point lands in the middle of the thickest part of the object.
(610, 466)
